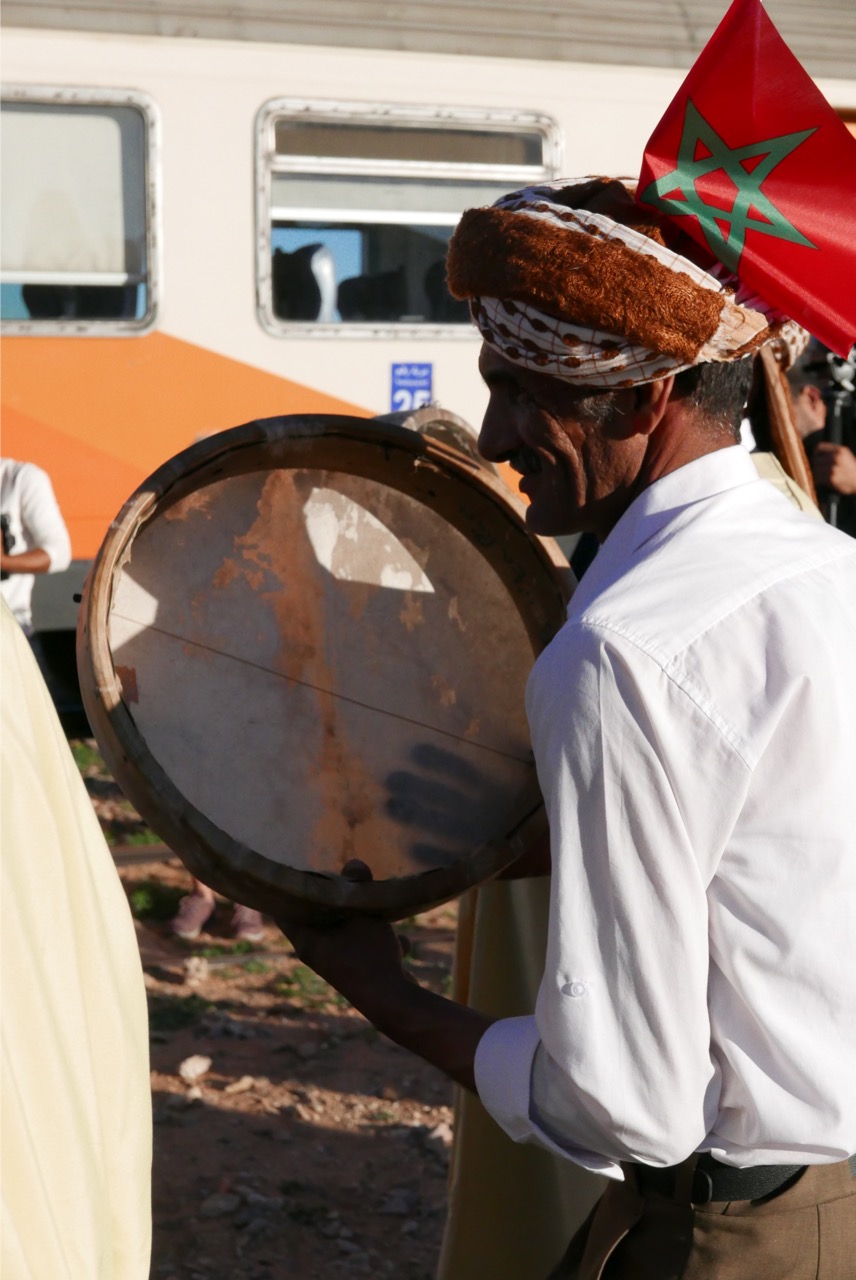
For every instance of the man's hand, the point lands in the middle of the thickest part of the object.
(362, 958)
(534, 862)
(834, 467)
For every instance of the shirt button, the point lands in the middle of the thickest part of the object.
(575, 988)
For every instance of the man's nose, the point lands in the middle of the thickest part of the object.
(497, 438)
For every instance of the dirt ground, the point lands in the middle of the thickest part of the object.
(291, 1141)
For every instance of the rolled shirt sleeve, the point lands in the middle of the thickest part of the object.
(42, 519)
(642, 790)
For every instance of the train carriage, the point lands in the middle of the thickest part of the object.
(218, 213)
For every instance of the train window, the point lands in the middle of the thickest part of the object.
(357, 204)
(77, 244)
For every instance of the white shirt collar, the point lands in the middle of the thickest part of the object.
(655, 507)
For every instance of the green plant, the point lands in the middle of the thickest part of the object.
(153, 900)
(86, 755)
(142, 836)
(174, 1013)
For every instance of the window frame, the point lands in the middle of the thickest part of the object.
(326, 111)
(64, 95)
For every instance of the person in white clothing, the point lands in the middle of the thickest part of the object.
(75, 1102)
(35, 539)
(694, 1032)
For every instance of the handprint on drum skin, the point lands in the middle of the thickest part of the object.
(448, 798)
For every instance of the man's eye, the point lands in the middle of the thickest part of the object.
(518, 394)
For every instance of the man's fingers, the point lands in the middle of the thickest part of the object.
(359, 872)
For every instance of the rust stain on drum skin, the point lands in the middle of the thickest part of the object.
(127, 677)
(198, 500)
(348, 800)
(226, 574)
(446, 693)
(412, 614)
(455, 614)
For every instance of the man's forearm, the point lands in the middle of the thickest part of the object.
(362, 958)
(436, 1029)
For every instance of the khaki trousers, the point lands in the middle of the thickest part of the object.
(805, 1232)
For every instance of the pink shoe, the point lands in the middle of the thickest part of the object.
(247, 924)
(193, 912)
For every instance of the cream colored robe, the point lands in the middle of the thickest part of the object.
(75, 1107)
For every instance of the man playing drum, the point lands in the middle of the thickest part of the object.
(694, 1033)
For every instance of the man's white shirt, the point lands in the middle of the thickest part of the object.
(694, 727)
(35, 520)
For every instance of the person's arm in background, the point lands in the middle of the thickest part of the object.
(834, 467)
(49, 549)
(35, 561)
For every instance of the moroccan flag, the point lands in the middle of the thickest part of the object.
(752, 162)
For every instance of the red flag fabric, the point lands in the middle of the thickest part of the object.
(753, 163)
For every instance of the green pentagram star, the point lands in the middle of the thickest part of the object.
(726, 246)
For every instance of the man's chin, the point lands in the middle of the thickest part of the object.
(548, 524)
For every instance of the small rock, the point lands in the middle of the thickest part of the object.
(226, 1026)
(399, 1203)
(258, 1228)
(258, 1201)
(440, 1137)
(179, 1101)
(348, 1246)
(218, 1205)
(307, 1050)
(240, 1086)
(196, 970)
(410, 1227)
(238, 1030)
(194, 1068)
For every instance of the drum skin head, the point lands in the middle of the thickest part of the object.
(306, 640)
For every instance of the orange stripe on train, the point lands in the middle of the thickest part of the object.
(100, 414)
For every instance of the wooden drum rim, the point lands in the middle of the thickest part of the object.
(533, 571)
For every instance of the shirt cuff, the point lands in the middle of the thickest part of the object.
(503, 1073)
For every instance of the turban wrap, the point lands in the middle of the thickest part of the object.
(578, 281)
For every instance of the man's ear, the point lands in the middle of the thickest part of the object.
(651, 402)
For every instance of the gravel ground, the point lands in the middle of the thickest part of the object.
(291, 1140)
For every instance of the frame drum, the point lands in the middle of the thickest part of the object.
(306, 640)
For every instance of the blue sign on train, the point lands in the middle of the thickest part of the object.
(412, 386)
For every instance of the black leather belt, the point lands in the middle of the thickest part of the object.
(715, 1181)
